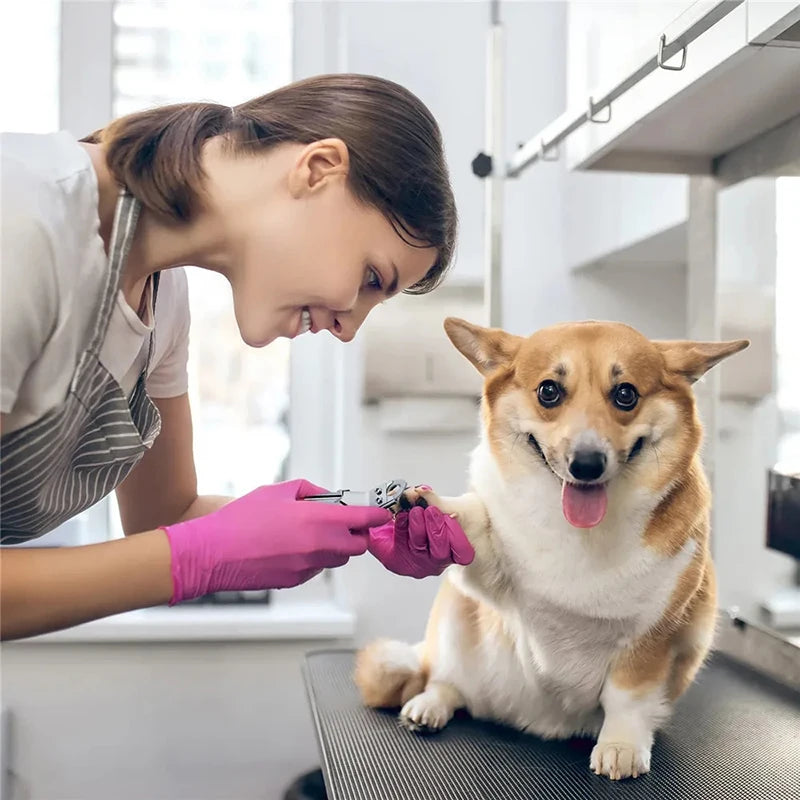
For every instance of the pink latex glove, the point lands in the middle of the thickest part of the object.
(420, 543)
(268, 539)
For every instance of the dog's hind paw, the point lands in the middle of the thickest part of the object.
(426, 713)
(620, 760)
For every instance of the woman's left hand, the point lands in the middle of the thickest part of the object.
(420, 543)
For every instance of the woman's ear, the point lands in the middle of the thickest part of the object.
(318, 163)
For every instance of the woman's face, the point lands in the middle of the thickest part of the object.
(304, 253)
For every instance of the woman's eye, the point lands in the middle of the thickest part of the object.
(374, 279)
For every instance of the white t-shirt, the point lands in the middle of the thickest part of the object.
(52, 273)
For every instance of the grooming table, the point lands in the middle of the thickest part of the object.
(735, 734)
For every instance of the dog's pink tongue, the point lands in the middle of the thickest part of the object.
(584, 507)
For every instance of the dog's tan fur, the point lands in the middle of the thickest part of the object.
(622, 619)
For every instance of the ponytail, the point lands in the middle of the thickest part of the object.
(156, 153)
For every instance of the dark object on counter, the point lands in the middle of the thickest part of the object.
(310, 786)
(783, 513)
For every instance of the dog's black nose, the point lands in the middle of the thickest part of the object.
(587, 465)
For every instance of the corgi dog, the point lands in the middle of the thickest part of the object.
(591, 602)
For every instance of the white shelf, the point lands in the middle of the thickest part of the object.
(734, 89)
(275, 621)
(665, 249)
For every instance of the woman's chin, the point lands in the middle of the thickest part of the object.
(259, 338)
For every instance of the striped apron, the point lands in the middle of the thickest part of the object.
(80, 451)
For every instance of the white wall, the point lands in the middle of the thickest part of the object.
(436, 49)
(547, 221)
(162, 722)
(748, 431)
(614, 210)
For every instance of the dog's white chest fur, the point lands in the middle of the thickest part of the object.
(570, 601)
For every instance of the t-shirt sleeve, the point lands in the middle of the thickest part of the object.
(28, 298)
(168, 376)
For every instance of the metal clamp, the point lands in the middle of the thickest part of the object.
(590, 113)
(543, 152)
(662, 43)
(387, 495)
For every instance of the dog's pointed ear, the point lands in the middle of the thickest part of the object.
(486, 348)
(693, 359)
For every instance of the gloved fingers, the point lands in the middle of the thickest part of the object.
(401, 531)
(354, 544)
(306, 575)
(438, 534)
(355, 517)
(460, 548)
(337, 560)
(417, 530)
(303, 488)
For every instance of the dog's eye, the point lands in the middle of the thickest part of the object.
(550, 394)
(625, 396)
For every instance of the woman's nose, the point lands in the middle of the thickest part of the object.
(347, 323)
(343, 331)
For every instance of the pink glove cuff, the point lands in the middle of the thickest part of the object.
(190, 576)
(175, 571)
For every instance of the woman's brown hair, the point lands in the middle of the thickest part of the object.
(397, 161)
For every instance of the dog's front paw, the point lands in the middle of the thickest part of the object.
(425, 713)
(620, 760)
(422, 496)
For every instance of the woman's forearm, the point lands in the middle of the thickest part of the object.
(46, 589)
(202, 505)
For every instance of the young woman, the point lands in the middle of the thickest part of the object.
(316, 202)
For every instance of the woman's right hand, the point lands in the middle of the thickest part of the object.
(268, 539)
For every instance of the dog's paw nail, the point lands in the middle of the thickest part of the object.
(619, 760)
(413, 497)
(424, 714)
(417, 728)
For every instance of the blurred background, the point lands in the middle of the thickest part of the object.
(207, 701)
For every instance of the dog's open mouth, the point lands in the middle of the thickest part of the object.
(584, 506)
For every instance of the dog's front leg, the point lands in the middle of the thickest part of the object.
(470, 512)
(634, 699)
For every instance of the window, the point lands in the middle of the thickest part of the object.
(29, 46)
(170, 51)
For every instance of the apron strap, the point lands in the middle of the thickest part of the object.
(151, 345)
(126, 215)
